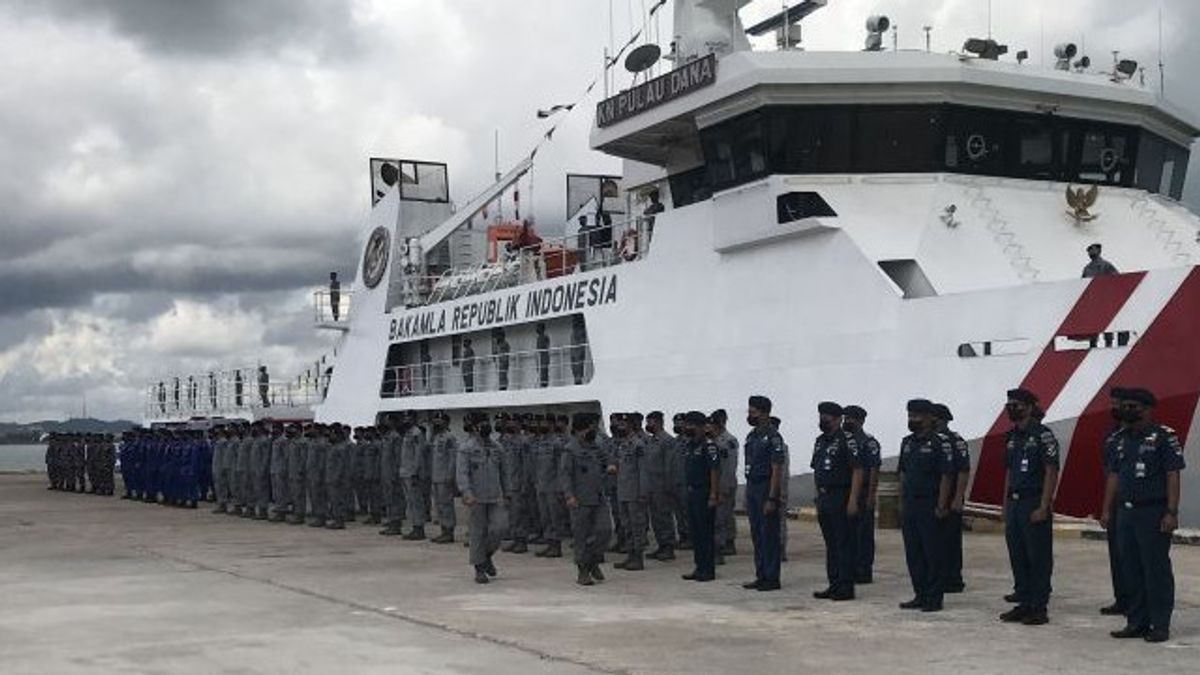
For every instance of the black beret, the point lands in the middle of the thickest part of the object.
(719, 416)
(1022, 395)
(655, 415)
(1118, 393)
(580, 420)
(695, 417)
(776, 422)
(678, 417)
(942, 412)
(564, 419)
(636, 416)
(761, 403)
(920, 406)
(857, 412)
(829, 408)
(1143, 396)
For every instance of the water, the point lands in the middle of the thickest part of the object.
(22, 458)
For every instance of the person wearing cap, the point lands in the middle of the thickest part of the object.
(545, 454)
(660, 455)
(785, 473)
(926, 485)
(765, 457)
(297, 450)
(467, 366)
(371, 495)
(677, 482)
(482, 479)
(220, 445)
(1031, 457)
(260, 476)
(1111, 451)
(605, 439)
(412, 469)
(516, 450)
(952, 524)
(391, 486)
(632, 490)
(1144, 481)
(280, 495)
(443, 471)
(726, 525)
(702, 475)
(837, 473)
(314, 475)
(1097, 266)
(869, 458)
(583, 469)
(336, 478)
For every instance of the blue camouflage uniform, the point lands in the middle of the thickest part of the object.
(1146, 458)
(869, 458)
(834, 459)
(764, 450)
(701, 458)
(952, 526)
(1029, 453)
(1110, 456)
(924, 460)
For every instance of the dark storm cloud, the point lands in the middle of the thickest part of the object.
(214, 27)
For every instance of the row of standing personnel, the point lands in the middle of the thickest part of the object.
(77, 462)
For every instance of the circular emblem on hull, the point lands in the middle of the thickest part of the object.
(375, 257)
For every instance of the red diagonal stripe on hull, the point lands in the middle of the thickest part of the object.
(1166, 360)
(1092, 313)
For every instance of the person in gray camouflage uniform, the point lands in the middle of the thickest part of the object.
(260, 471)
(314, 475)
(631, 490)
(726, 524)
(389, 479)
(245, 486)
(482, 479)
(336, 478)
(443, 473)
(280, 494)
(515, 452)
(582, 470)
(220, 446)
(660, 455)
(413, 469)
(546, 454)
(369, 443)
(297, 454)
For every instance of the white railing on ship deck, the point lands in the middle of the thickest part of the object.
(225, 394)
(537, 369)
(332, 309)
(622, 242)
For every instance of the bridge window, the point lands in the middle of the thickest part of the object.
(793, 206)
(1014, 347)
(1119, 339)
(424, 182)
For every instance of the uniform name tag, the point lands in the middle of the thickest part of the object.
(1140, 469)
(1024, 465)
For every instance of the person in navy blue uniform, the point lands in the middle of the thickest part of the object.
(702, 466)
(953, 523)
(1031, 457)
(869, 458)
(1144, 481)
(1111, 450)
(926, 480)
(837, 472)
(765, 457)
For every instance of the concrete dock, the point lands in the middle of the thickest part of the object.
(99, 585)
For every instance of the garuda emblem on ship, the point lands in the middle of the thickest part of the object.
(375, 257)
(1081, 200)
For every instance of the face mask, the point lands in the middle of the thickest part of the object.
(678, 430)
(484, 430)
(590, 435)
(752, 420)
(1116, 414)
(1014, 412)
(851, 427)
(825, 425)
(1130, 416)
(916, 426)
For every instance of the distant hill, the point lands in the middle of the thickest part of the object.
(12, 433)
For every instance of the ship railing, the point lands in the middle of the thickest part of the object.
(225, 394)
(331, 309)
(569, 365)
(623, 242)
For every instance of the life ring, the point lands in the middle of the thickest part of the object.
(629, 245)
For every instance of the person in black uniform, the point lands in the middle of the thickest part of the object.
(953, 523)
(1031, 456)
(1145, 481)
(926, 476)
(837, 473)
(702, 466)
(1111, 451)
(765, 457)
(869, 458)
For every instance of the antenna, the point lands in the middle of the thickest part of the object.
(895, 37)
(1162, 69)
(928, 40)
(989, 19)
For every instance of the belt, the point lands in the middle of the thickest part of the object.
(1142, 503)
(1018, 495)
(830, 489)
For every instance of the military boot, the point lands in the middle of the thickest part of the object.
(316, 522)
(373, 520)
(596, 573)
(634, 563)
(295, 519)
(415, 534)
(337, 524)
(446, 537)
(665, 553)
(552, 550)
(490, 567)
(585, 576)
(391, 530)
(519, 546)
(481, 576)
(234, 511)
(221, 508)
(278, 517)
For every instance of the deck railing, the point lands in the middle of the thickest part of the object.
(565, 366)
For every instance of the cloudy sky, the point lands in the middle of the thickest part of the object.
(177, 175)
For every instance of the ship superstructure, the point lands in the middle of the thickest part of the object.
(863, 227)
